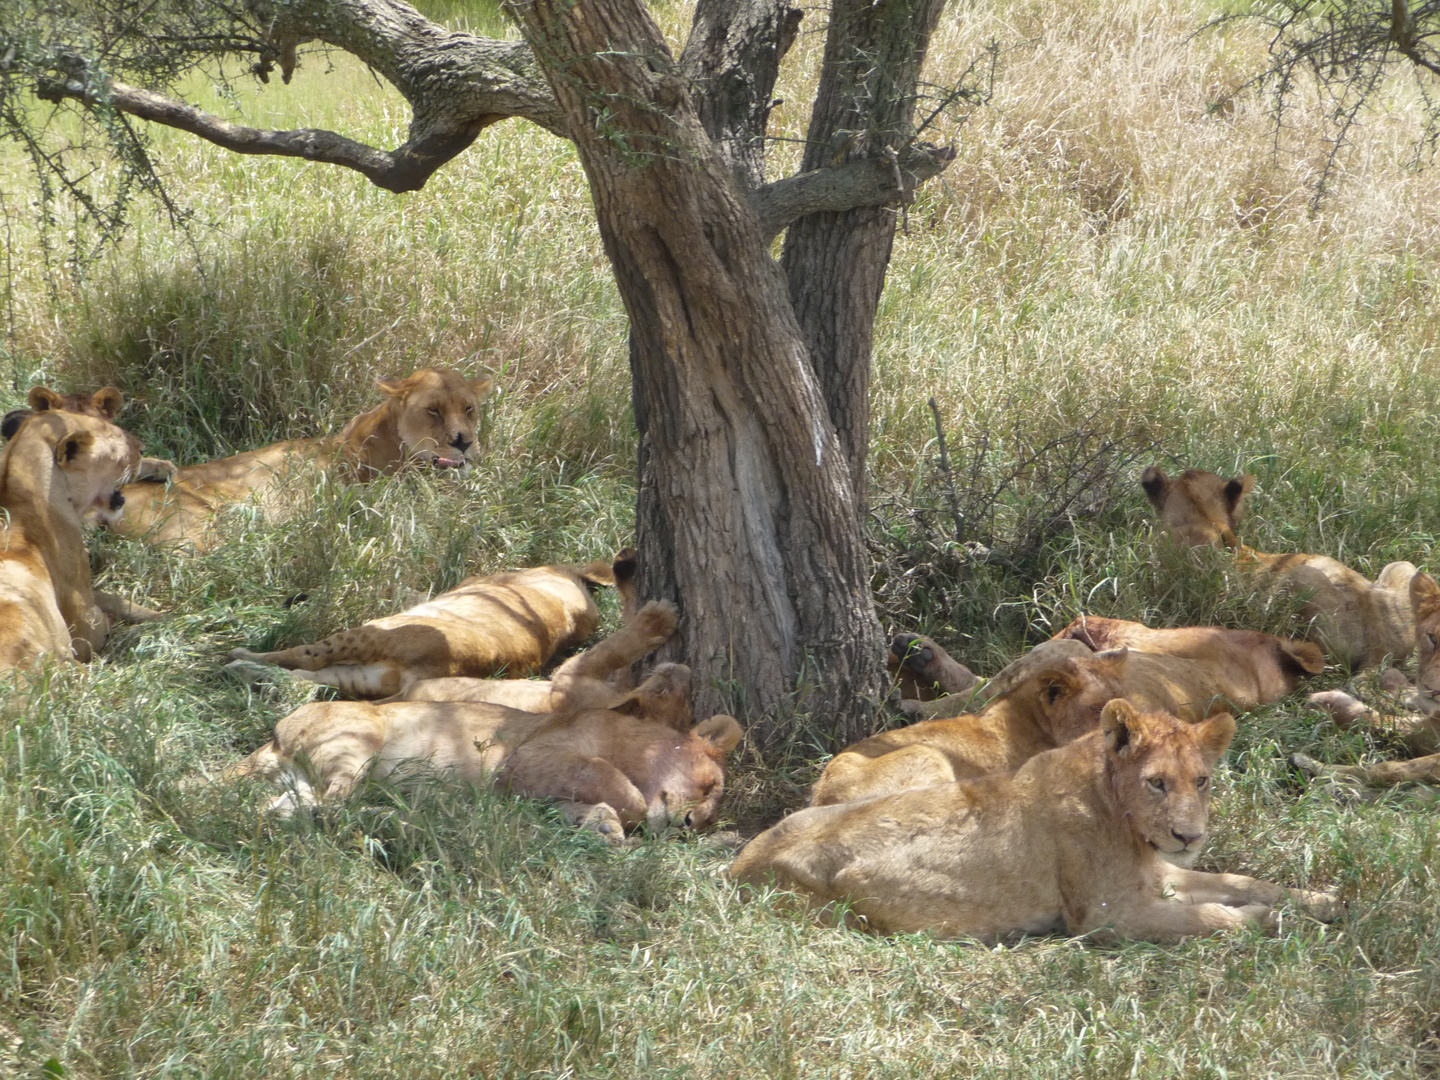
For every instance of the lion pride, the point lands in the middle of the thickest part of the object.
(58, 468)
(1070, 842)
(429, 418)
(1359, 621)
(612, 760)
(511, 622)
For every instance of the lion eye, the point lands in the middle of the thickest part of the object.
(434, 412)
(1432, 640)
(1202, 782)
(1157, 784)
(469, 410)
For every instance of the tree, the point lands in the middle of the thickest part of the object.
(1349, 48)
(751, 379)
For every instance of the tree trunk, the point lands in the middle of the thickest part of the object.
(747, 507)
(836, 262)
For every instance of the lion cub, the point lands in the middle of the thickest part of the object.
(1359, 621)
(1070, 842)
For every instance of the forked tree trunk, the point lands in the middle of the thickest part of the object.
(835, 262)
(747, 508)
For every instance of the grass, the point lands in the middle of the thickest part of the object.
(1115, 255)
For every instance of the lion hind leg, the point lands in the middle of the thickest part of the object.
(378, 680)
(651, 627)
(1385, 774)
(853, 776)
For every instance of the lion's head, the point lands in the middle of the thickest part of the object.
(436, 411)
(1158, 770)
(1425, 603)
(1197, 508)
(93, 460)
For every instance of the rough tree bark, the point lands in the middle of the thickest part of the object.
(750, 502)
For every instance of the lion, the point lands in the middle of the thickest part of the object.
(641, 635)
(1070, 842)
(429, 418)
(513, 622)
(1359, 622)
(612, 760)
(1054, 694)
(1418, 728)
(105, 404)
(57, 469)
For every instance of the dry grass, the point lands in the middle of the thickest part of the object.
(1116, 249)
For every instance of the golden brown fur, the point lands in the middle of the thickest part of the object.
(1055, 696)
(1359, 622)
(429, 418)
(1417, 726)
(1071, 842)
(512, 622)
(58, 468)
(612, 760)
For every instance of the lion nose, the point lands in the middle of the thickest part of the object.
(1186, 838)
(460, 442)
(117, 500)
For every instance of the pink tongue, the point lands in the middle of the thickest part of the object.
(448, 461)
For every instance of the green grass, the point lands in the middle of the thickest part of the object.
(1108, 259)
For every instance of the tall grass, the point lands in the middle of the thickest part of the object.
(1116, 251)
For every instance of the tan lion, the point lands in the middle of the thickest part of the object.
(1417, 727)
(511, 622)
(429, 418)
(612, 760)
(57, 469)
(1359, 621)
(1071, 842)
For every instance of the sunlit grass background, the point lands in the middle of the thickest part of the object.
(1119, 263)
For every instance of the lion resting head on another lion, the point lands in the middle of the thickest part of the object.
(613, 760)
(1070, 842)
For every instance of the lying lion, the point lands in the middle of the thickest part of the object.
(1054, 695)
(512, 622)
(1360, 622)
(923, 671)
(612, 761)
(1418, 728)
(1071, 842)
(428, 418)
(57, 469)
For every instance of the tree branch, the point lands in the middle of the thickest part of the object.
(860, 182)
(405, 169)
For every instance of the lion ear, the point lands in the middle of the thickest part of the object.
(1156, 484)
(481, 386)
(1235, 490)
(42, 399)
(1213, 736)
(72, 446)
(1305, 655)
(109, 401)
(13, 419)
(1120, 725)
(1055, 684)
(1424, 594)
(393, 387)
(722, 731)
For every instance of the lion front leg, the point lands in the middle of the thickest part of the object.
(574, 778)
(1237, 890)
(1161, 920)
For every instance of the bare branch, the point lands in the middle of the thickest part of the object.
(404, 169)
(873, 181)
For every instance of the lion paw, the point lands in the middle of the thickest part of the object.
(1327, 907)
(1344, 710)
(605, 822)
